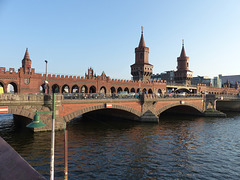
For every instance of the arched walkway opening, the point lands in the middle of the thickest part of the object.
(126, 90)
(119, 90)
(44, 88)
(2, 88)
(41, 89)
(103, 90)
(65, 89)
(144, 91)
(133, 90)
(113, 90)
(55, 88)
(84, 89)
(150, 91)
(12, 88)
(92, 89)
(75, 89)
(138, 90)
(159, 91)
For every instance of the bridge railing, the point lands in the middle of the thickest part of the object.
(99, 96)
(124, 96)
(22, 97)
(227, 96)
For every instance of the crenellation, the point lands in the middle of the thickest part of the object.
(2, 69)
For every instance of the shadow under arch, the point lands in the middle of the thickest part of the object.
(135, 114)
(186, 105)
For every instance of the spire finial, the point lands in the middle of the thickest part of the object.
(26, 56)
(182, 42)
(141, 29)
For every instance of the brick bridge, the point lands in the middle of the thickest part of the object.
(147, 108)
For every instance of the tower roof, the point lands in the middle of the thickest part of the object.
(142, 42)
(26, 56)
(183, 53)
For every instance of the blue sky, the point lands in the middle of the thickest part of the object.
(77, 34)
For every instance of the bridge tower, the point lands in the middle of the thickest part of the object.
(183, 75)
(26, 63)
(141, 69)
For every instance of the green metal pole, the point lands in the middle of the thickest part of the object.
(52, 139)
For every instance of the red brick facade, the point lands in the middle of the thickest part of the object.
(25, 80)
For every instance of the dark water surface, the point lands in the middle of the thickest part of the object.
(176, 148)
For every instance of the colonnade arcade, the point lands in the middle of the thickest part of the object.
(92, 89)
(10, 87)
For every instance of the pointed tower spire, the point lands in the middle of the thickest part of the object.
(183, 53)
(26, 62)
(183, 75)
(141, 69)
(26, 56)
(142, 42)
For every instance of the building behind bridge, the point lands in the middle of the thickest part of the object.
(26, 80)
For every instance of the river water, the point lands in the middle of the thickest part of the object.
(178, 147)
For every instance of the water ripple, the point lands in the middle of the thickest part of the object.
(176, 148)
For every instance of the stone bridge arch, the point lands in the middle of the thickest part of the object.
(21, 112)
(161, 110)
(79, 112)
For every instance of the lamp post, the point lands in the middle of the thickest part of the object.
(37, 123)
(45, 82)
(65, 153)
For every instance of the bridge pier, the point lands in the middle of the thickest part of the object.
(148, 116)
(148, 102)
(210, 107)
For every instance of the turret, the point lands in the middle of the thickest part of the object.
(141, 69)
(183, 75)
(26, 62)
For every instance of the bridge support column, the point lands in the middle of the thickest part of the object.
(148, 116)
(148, 108)
(210, 107)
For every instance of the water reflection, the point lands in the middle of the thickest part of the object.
(176, 148)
